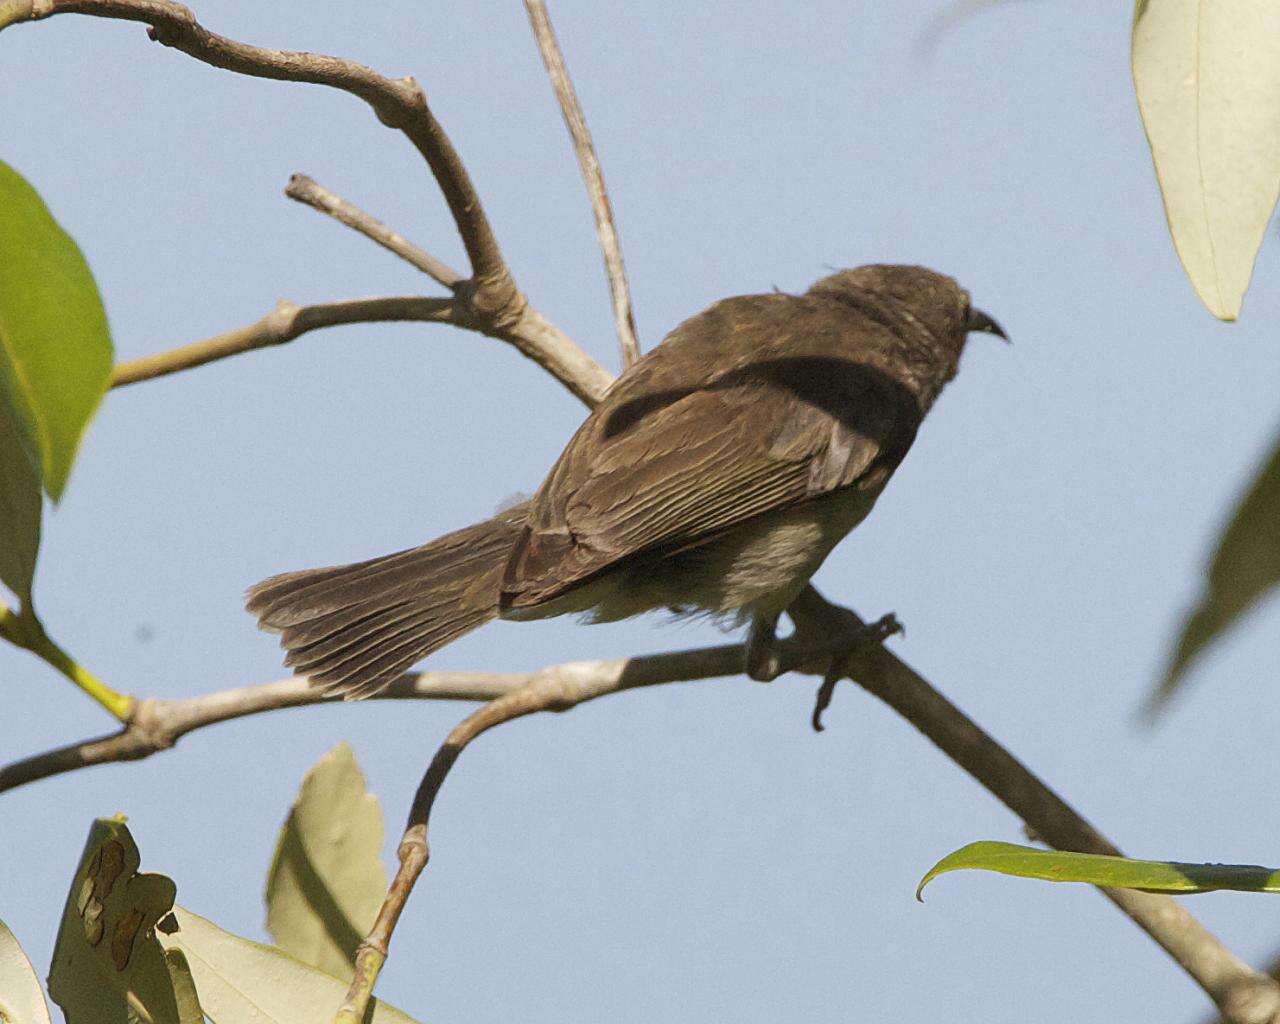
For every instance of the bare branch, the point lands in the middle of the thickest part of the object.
(315, 195)
(530, 334)
(1272, 970)
(489, 300)
(1243, 995)
(157, 725)
(284, 323)
(535, 337)
(592, 176)
(558, 688)
(527, 330)
(399, 103)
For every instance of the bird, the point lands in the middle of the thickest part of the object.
(713, 478)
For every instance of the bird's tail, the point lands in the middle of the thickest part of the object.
(354, 628)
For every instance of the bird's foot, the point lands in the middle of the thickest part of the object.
(876, 633)
(763, 658)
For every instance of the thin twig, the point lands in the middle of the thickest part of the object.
(531, 335)
(311, 193)
(489, 301)
(157, 725)
(558, 688)
(592, 175)
(398, 103)
(284, 323)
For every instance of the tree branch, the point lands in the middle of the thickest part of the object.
(398, 103)
(157, 725)
(284, 323)
(528, 331)
(489, 301)
(592, 175)
(315, 195)
(1242, 994)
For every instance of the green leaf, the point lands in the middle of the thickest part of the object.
(1245, 566)
(184, 987)
(243, 982)
(55, 349)
(1112, 872)
(1207, 77)
(21, 1001)
(327, 880)
(107, 963)
(20, 508)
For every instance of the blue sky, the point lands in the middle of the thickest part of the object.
(692, 852)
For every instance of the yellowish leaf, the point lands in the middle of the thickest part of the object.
(1207, 76)
(327, 879)
(244, 982)
(21, 1001)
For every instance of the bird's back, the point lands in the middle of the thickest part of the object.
(746, 412)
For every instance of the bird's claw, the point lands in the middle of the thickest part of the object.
(876, 633)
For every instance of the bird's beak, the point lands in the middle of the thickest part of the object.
(980, 321)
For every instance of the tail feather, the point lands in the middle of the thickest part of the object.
(318, 639)
(352, 629)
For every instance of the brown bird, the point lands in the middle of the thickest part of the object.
(713, 478)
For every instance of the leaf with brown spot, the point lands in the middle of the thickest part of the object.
(108, 967)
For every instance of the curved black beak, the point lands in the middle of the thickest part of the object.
(980, 321)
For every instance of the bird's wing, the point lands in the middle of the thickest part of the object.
(658, 467)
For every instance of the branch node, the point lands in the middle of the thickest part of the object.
(179, 21)
(150, 726)
(493, 302)
(418, 95)
(283, 321)
(413, 849)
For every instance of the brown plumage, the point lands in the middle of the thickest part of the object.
(714, 477)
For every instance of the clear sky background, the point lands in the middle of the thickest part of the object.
(689, 853)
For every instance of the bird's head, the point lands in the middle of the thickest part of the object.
(928, 310)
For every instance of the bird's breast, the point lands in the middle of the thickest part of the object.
(762, 566)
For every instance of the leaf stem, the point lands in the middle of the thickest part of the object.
(24, 630)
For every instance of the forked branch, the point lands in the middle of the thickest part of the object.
(488, 301)
(1243, 995)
